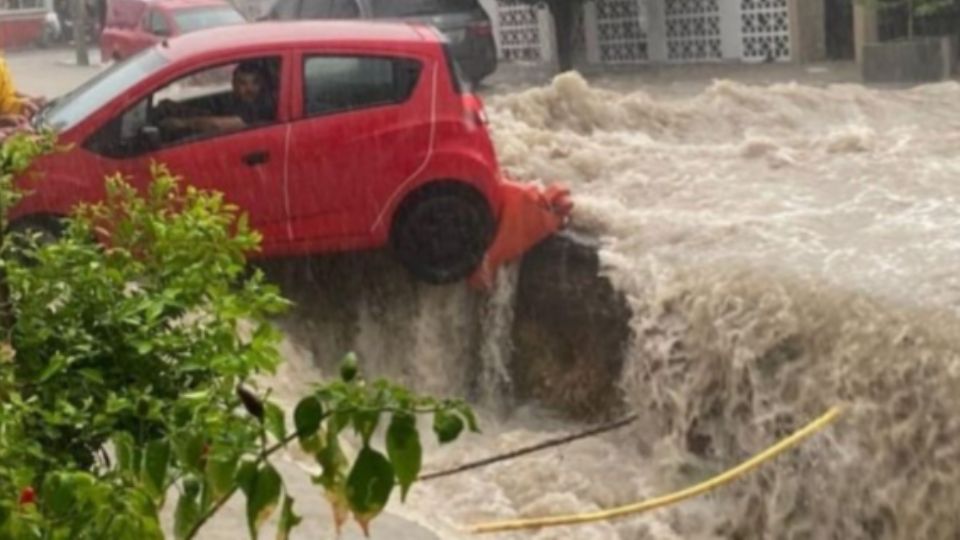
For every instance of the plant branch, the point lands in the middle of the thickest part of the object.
(269, 451)
(530, 449)
(264, 456)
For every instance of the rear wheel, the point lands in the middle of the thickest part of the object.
(442, 231)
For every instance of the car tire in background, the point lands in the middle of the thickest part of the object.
(442, 231)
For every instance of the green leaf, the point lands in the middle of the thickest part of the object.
(348, 367)
(156, 459)
(123, 446)
(404, 450)
(92, 375)
(189, 447)
(288, 519)
(186, 515)
(58, 495)
(369, 485)
(332, 461)
(365, 423)
(275, 422)
(470, 417)
(57, 364)
(307, 416)
(220, 474)
(313, 443)
(263, 494)
(447, 426)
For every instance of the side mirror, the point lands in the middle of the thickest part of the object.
(150, 137)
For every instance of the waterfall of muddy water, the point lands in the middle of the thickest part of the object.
(783, 248)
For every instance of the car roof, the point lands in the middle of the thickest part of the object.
(293, 33)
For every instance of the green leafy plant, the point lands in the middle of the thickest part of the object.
(129, 364)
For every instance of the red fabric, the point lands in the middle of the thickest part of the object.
(529, 215)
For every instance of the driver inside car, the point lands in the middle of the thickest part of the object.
(250, 103)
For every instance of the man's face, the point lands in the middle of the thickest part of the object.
(247, 87)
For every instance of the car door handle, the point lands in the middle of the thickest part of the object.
(256, 158)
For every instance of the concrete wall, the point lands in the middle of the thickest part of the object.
(865, 29)
(918, 60)
(808, 40)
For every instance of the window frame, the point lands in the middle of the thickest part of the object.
(305, 56)
(284, 59)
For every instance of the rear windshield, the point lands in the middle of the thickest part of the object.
(191, 20)
(413, 8)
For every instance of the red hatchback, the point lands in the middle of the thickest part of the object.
(134, 25)
(331, 135)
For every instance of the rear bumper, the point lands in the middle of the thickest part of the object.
(529, 214)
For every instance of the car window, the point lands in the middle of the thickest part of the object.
(213, 101)
(316, 9)
(191, 20)
(157, 24)
(343, 83)
(285, 10)
(67, 111)
(411, 8)
(345, 9)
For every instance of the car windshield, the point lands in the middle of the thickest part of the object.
(68, 110)
(411, 8)
(191, 20)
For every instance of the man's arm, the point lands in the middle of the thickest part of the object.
(205, 124)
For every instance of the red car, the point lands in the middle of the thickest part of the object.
(331, 135)
(134, 25)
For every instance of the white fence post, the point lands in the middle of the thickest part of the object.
(591, 31)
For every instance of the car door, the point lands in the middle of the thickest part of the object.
(246, 163)
(363, 128)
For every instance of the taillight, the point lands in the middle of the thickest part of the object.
(473, 106)
(480, 29)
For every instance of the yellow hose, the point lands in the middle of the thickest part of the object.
(666, 500)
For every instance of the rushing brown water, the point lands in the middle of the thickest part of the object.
(783, 248)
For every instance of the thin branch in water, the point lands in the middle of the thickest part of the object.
(550, 443)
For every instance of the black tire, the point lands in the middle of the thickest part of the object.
(441, 232)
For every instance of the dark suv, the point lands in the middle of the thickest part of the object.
(464, 22)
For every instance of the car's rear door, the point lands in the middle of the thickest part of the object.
(363, 126)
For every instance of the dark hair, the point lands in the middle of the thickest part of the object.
(252, 67)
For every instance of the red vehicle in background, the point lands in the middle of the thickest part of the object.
(332, 136)
(133, 25)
